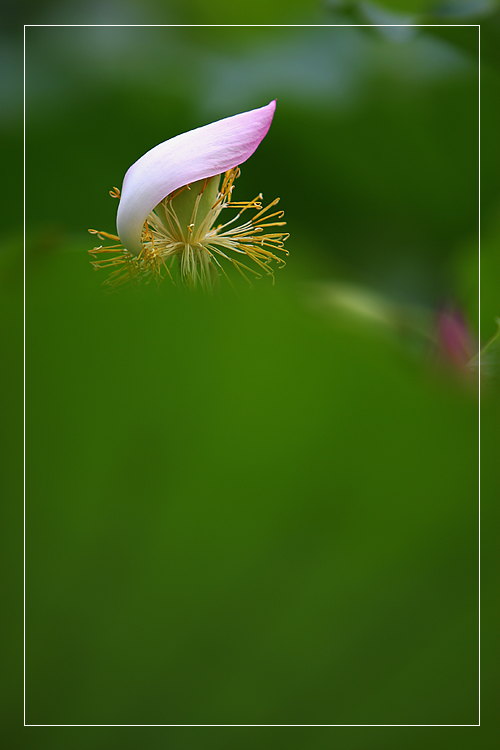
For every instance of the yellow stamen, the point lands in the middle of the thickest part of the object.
(197, 244)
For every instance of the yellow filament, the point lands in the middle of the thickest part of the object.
(199, 246)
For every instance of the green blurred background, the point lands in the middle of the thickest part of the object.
(257, 509)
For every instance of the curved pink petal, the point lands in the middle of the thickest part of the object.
(203, 152)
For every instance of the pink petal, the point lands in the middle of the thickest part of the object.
(203, 152)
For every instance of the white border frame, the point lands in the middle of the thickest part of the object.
(314, 25)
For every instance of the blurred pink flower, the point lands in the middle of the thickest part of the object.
(456, 344)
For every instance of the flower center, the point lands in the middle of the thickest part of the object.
(181, 230)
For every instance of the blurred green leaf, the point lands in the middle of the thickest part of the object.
(241, 511)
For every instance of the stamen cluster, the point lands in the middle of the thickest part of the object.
(179, 238)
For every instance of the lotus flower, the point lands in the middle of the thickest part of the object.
(173, 195)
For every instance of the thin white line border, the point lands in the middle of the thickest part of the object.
(349, 25)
